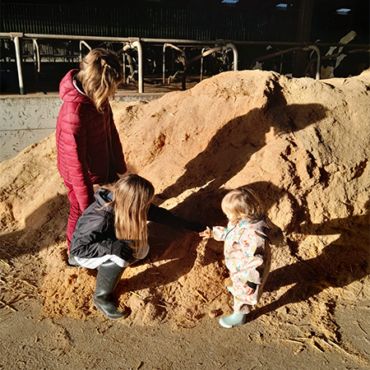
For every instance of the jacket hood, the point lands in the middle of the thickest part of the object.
(68, 92)
(103, 196)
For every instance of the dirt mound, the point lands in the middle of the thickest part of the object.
(302, 144)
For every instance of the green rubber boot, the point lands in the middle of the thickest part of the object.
(236, 319)
(72, 262)
(230, 289)
(109, 275)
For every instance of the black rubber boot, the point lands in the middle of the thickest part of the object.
(72, 262)
(109, 275)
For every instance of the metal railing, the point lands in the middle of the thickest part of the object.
(290, 50)
(128, 42)
(176, 44)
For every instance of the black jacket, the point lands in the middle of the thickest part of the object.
(95, 236)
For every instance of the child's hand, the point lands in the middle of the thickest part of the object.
(249, 290)
(206, 234)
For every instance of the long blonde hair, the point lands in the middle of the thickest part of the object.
(242, 203)
(100, 74)
(132, 197)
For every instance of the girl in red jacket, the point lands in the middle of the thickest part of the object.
(88, 145)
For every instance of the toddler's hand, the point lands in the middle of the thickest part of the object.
(206, 234)
(249, 290)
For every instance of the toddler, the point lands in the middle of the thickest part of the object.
(246, 249)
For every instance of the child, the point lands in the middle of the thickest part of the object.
(88, 146)
(246, 249)
(113, 230)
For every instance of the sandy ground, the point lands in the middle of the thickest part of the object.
(303, 145)
(30, 343)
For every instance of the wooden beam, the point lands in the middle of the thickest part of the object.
(303, 35)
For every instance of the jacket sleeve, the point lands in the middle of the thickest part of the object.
(117, 147)
(94, 237)
(165, 217)
(75, 147)
(219, 233)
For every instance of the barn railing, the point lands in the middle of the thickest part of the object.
(206, 46)
(127, 43)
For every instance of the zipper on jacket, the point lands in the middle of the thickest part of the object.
(106, 145)
(111, 146)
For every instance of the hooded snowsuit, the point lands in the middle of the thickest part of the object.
(247, 257)
(88, 146)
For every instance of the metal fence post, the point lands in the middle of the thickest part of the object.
(18, 57)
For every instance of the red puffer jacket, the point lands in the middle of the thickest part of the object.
(88, 145)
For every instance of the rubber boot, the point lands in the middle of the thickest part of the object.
(230, 289)
(236, 319)
(72, 262)
(109, 275)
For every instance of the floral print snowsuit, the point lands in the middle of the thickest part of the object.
(247, 257)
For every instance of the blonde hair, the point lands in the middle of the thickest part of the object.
(132, 197)
(100, 74)
(242, 203)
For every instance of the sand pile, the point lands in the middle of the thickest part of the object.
(302, 144)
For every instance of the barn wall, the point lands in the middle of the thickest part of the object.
(150, 22)
(27, 119)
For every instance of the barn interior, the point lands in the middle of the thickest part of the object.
(216, 95)
(269, 35)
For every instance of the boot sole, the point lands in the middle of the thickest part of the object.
(228, 326)
(112, 317)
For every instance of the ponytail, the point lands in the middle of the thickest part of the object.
(100, 74)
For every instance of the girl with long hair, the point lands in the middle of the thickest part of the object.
(112, 233)
(89, 150)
